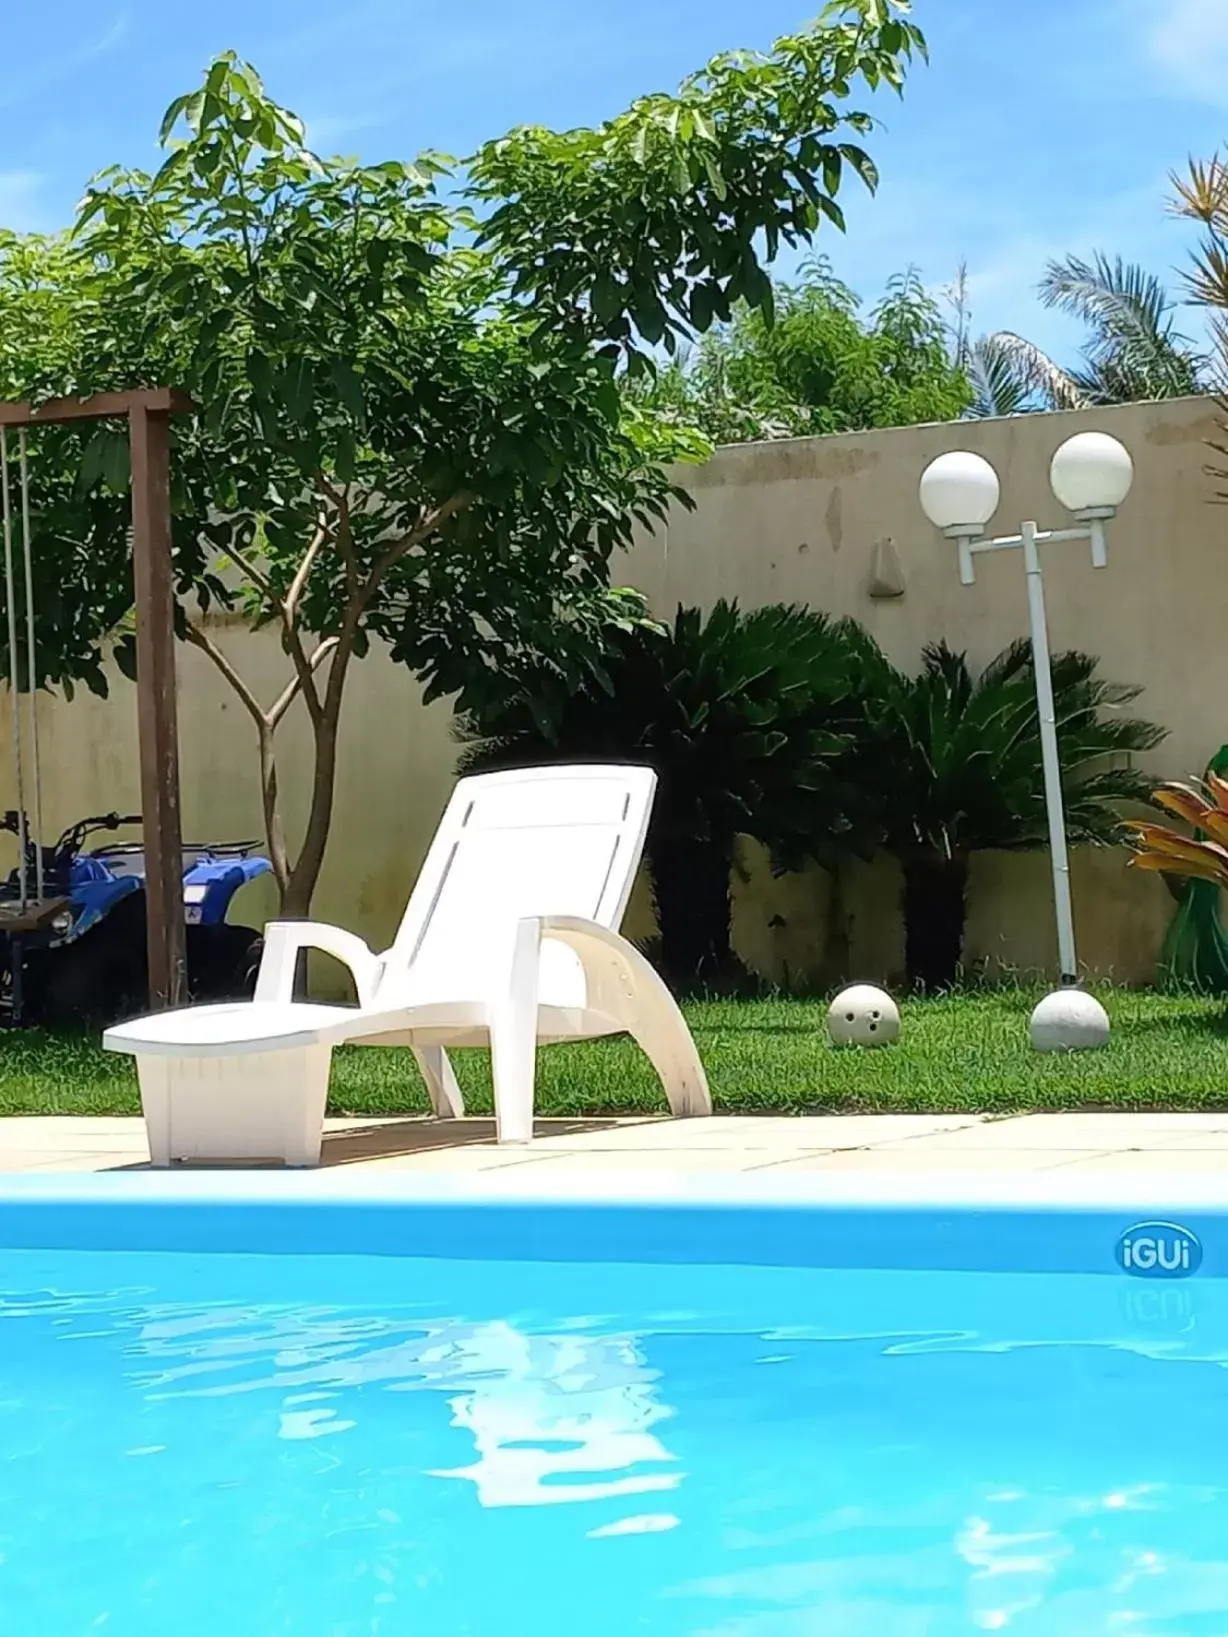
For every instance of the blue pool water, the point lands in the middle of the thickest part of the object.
(239, 1445)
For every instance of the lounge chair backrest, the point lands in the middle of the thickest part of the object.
(556, 840)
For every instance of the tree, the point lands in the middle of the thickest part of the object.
(410, 419)
(1201, 195)
(1134, 351)
(948, 764)
(812, 365)
(744, 718)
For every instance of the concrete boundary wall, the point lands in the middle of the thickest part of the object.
(813, 520)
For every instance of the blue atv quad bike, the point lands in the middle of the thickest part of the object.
(79, 954)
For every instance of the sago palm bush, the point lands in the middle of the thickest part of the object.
(948, 764)
(743, 716)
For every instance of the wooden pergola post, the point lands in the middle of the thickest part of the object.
(148, 414)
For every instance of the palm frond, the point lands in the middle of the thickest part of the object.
(998, 388)
(1134, 349)
(1202, 193)
(1011, 375)
(1117, 296)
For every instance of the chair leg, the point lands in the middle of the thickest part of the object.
(257, 1106)
(305, 1115)
(666, 1042)
(513, 1039)
(629, 990)
(447, 1099)
(153, 1077)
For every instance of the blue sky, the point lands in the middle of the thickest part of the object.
(1040, 127)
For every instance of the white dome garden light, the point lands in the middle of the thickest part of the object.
(1091, 474)
(1069, 1020)
(863, 1016)
(959, 494)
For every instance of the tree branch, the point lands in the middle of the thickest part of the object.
(340, 498)
(201, 639)
(422, 530)
(259, 579)
(290, 603)
(345, 539)
(291, 692)
(288, 609)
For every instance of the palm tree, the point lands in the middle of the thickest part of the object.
(743, 717)
(949, 764)
(1134, 351)
(1202, 196)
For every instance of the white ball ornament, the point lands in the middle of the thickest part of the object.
(863, 1016)
(1069, 1020)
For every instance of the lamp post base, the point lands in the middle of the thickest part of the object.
(1069, 1020)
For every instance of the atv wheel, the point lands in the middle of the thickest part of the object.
(223, 962)
(90, 983)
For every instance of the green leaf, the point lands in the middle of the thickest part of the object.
(861, 162)
(701, 306)
(124, 654)
(346, 456)
(260, 374)
(93, 462)
(296, 388)
(832, 211)
(116, 465)
(348, 384)
(607, 298)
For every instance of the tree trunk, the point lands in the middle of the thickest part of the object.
(270, 799)
(304, 875)
(935, 910)
(694, 912)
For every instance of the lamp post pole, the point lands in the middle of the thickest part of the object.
(1091, 475)
(1030, 538)
(1050, 759)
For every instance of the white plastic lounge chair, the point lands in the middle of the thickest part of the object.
(510, 937)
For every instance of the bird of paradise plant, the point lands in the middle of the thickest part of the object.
(1203, 856)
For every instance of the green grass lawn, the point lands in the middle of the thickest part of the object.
(964, 1052)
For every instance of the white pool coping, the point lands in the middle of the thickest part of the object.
(1044, 1191)
(1034, 1160)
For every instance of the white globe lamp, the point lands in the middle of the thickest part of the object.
(1069, 1020)
(959, 494)
(1091, 474)
(863, 1016)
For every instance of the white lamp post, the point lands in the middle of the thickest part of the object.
(1091, 475)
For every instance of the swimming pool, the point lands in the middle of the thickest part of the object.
(263, 1408)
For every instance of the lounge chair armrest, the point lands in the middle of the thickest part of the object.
(283, 941)
(614, 969)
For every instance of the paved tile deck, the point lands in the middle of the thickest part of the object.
(1075, 1144)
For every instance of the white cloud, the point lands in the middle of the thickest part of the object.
(1187, 41)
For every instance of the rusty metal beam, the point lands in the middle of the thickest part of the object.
(153, 582)
(156, 400)
(148, 411)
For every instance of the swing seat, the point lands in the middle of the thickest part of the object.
(510, 939)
